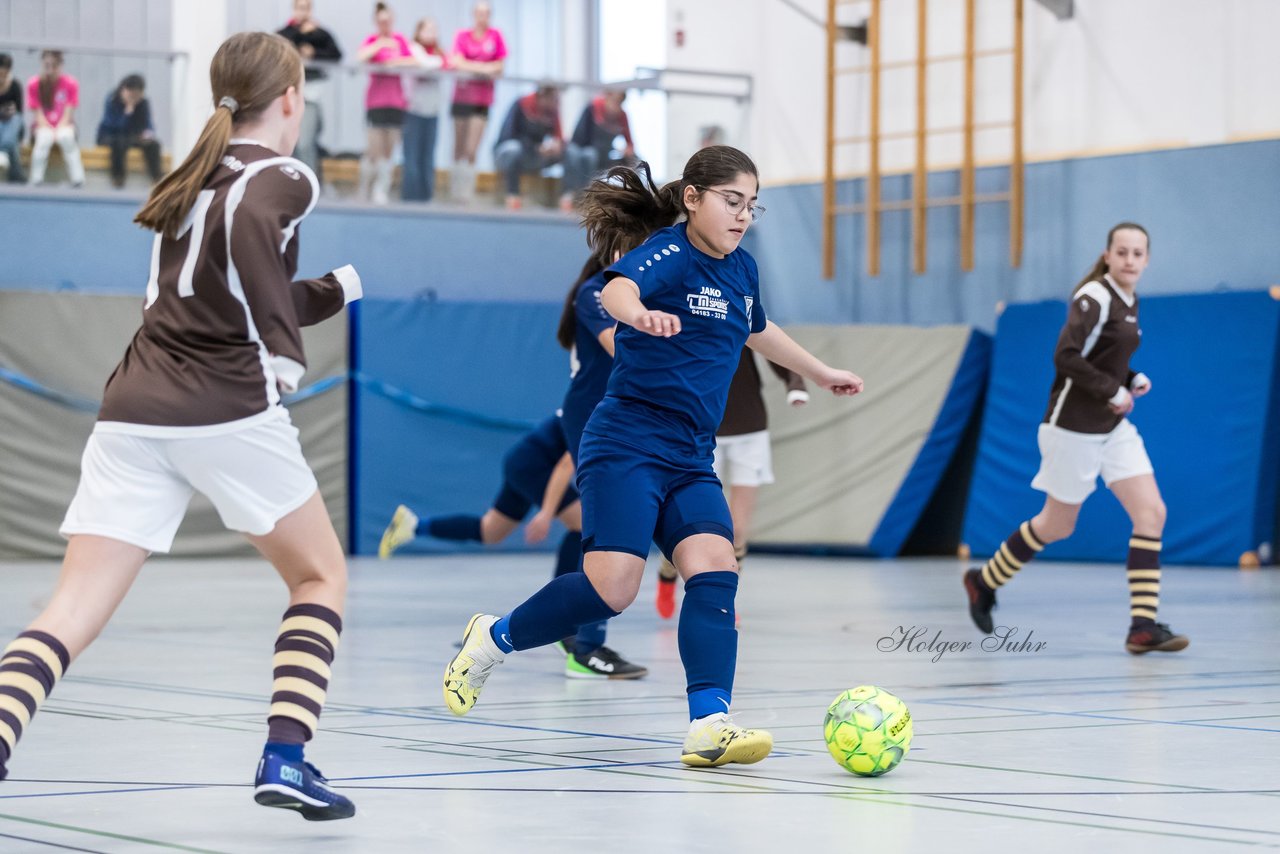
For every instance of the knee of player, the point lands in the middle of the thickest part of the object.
(1150, 518)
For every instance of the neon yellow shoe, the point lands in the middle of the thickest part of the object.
(716, 740)
(403, 528)
(466, 674)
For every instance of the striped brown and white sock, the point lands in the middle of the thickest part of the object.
(29, 668)
(1144, 577)
(1013, 553)
(305, 649)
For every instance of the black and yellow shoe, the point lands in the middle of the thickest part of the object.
(470, 668)
(716, 740)
(402, 529)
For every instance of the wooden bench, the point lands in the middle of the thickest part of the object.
(344, 174)
(96, 158)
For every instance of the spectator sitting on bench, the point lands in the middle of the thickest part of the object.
(10, 122)
(590, 149)
(53, 98)
(126, 122)
(530, 141)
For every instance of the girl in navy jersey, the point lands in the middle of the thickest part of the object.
(686, 301)
(1086, 434)
(195, 406)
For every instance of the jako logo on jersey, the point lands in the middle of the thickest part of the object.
(708, 303)
(750, 301)
(232, 163)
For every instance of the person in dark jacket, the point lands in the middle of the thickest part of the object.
(531, 139)
(126, 123)
(317, 45)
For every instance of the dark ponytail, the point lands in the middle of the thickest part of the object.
(621, 204)
(569, 317)
(621, 209)
(1100, 268)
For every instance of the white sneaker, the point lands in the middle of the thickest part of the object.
(716, 740)
(466, 674)
(403, 528)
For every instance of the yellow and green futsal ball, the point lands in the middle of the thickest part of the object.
(868, 730)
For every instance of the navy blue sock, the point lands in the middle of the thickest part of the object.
(708, 641)
(556, 611)
(590, 637)
(569, 556)
(461, 527)
(291, 752)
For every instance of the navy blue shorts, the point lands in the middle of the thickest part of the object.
(630, 500)
(524, 483)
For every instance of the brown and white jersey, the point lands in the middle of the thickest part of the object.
(1092, 357)
(744, 410)
(220, 336)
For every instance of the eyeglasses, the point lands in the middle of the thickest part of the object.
(734, 202)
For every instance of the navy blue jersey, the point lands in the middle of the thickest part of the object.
(591, 362)
(667, 395)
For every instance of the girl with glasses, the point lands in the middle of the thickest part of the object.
(686, 302)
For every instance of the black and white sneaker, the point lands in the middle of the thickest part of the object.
(603, 663)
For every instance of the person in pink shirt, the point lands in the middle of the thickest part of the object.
(53, 98)
(385, 102)
(478, 53)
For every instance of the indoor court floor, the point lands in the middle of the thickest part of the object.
(150, 742)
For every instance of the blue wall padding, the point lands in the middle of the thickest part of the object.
(400, 252)
(1210, 425)
(938, 450)
(493, 369)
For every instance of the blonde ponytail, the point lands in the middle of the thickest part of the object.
(176, 193)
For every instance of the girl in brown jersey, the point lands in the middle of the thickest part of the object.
(1085, 434)
(195, 406)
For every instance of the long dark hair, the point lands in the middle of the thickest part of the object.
(253, 69)
(621, 203)
(568, 317)
(49, 84)
(1100, 268)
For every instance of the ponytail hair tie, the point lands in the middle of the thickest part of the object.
(230, 103)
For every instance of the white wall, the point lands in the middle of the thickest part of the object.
(192, 25)
(1120, 75)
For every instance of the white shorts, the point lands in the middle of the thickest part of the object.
(136, 488)
(746, 459)
(1071, 462)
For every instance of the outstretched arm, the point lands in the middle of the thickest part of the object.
(621, 298)
(777, 346)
